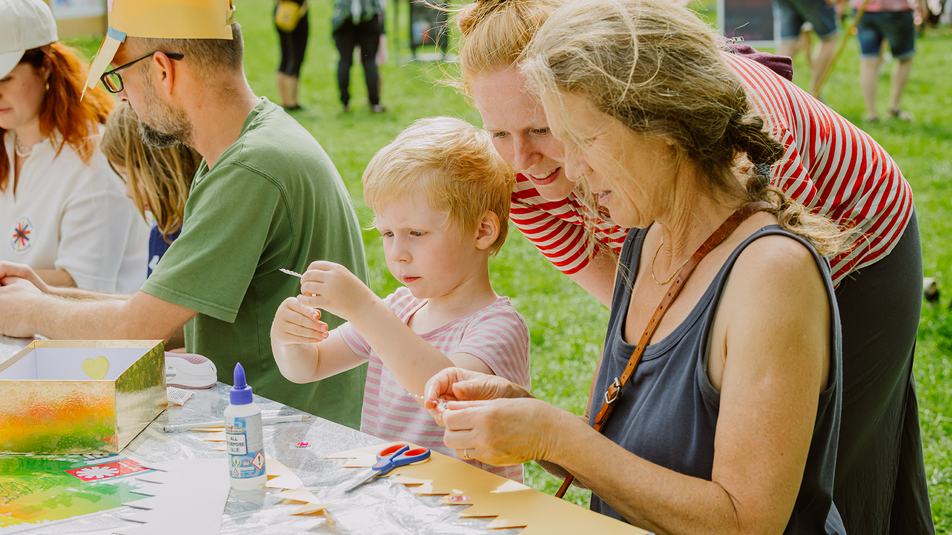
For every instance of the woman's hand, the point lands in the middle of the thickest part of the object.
(459, 384)
(504, 432)
(333, 288)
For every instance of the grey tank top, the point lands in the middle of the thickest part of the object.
(667, 413)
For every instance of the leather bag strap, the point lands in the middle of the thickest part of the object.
(715, 239)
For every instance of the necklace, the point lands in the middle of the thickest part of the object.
(22, 151)
(659, 283)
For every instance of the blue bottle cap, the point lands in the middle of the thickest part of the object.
(240, 393)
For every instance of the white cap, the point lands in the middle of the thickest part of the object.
(24, 25)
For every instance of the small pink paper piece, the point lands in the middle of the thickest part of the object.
(104, 471)
(456, 497)
(302, 445)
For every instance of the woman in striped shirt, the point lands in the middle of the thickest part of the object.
(829, 165)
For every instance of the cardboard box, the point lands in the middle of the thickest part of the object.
(80, 396)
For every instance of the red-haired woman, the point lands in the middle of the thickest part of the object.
(63, 211)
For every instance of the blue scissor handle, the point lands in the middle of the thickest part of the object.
(398, 455)
(386, 454)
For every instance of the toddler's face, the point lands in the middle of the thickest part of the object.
(424, 251)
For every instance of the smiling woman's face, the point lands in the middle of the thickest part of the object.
(520, 132)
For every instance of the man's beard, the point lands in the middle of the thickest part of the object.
(171, 125)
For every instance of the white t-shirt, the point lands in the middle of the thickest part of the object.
(72, 216)
(495, 334)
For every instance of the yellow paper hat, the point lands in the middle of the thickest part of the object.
(160, 19)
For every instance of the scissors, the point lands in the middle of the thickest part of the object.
(392, 457)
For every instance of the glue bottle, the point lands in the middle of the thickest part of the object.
(244, 440)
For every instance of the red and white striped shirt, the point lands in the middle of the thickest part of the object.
(830, 166)
(495, 334)
(560, 229)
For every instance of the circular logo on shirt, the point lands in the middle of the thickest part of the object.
(23, 234)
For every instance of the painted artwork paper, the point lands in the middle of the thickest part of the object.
(38, 489)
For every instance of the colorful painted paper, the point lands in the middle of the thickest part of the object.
(35, 489)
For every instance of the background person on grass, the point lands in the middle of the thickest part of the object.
(62, 210)
(822, 17)
(828, 165)
(358, 23)
(731, 419)
(892, 21)
(265, 197)
(293, 27)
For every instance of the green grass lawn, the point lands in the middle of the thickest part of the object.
(567, 325)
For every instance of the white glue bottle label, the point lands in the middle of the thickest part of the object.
(243, 437)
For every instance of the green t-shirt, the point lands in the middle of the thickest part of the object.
(273, 200)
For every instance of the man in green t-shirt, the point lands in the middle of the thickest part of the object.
(266, 197)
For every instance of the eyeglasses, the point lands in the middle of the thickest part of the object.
(113, 81)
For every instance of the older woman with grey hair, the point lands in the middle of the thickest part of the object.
(723, 402)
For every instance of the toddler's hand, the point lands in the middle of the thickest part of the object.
(296, 323)
(332, 287)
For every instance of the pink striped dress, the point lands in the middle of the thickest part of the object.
(495, 334)
(830, 165)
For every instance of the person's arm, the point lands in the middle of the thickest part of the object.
(410, 358)
(598, 276)
(56, 277)
(26, 311)
(303, 348)
(565, 244)
(10, 273)
(772, 334)
(176, 342)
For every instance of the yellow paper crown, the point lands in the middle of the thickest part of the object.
(160, 19)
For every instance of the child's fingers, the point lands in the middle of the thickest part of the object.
(312, 288)
(311, 302)
(322, 265)
(293, 332)
(296, 319)
(302, 308)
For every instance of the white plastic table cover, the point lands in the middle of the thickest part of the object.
(379, 507)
